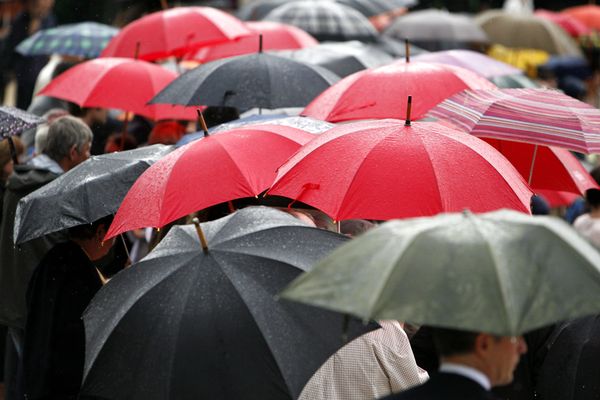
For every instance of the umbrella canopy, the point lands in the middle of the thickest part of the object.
(385, 169)
(227, 166)
(524, 272)
(539, 116)
(436, 29)
(517, 81)
(588, 14)
(527, 31)
(84, 194)
(13, 121)
(382, 92)
(258, 9)
(174, 32)
(471, 60)
(212, 328)
(570, 24)
(275, 36)
(341, 58)
(255, 80)
(553, 168)
(122, 83)
(325, 20)
(85, 39)
(569, 370)
(525, 59)
(370, 8)
(396, 48)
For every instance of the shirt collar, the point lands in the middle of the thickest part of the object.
(42, 161)
(468, 372)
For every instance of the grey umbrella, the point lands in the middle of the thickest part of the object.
(84, 194)
(254, 80)
(257, 10)
(325, 20)
(342, 58)
(370, 8)
(189, 323)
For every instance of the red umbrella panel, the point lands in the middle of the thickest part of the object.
(382, 92)
(553, 169)
(588, 14)
(230, 165)
(275, 36)
(538, 116)
(570, 24)
(174, 32)
(120, 83)
(383, 170)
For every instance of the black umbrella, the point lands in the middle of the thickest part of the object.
(341, 58)
(13, 121)
(84, 194)
(188, 323)
(570, 370)
(255, 80)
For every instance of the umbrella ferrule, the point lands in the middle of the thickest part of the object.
(201, 235)
(408, 110)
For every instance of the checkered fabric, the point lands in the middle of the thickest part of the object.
(370, 8)
(86, 39)
(325, 20)
(13, 121)
(372, 366)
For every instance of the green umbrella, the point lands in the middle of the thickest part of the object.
(502, 272)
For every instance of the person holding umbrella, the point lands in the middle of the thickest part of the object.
(471, 364)
(60, 289)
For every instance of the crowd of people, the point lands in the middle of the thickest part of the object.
(47, 283)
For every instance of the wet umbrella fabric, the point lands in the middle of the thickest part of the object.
(570, 24)
(184, 324)
(218, 168)
(436, 30)
(174, 32)
(382, 92)
(370, 8)
(539, 116)
(85, 39)
(588, 14)
(122, 83)
(517, 81)
(502, 272)
(13, 121)
(471, 60)
(248, 81)
(384, 169)
(341, 58)
(257, 10)
(84, 194)
(325, 20)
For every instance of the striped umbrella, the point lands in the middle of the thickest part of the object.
(325, 20)
(85, 39)
(538, 116)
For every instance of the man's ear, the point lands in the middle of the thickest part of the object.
(73, 153)
(482, 343)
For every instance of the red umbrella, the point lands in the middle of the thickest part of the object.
(555, 169)
(276, 36)
(570, 24)
(122, 83)
(382, 92)
(587, 14)
(226, 166)
(174, 32)
(537, 116)
(385, 169)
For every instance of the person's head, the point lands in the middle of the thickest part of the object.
(495, 356)
(68, 142)
(113, 143)
(91, 237)
(39, 8)
(89, 115)
(216, 115)
(355, 227)
(6, 162)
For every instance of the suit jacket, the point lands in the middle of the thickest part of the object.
(445, 386)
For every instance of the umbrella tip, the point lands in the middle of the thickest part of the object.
(260, 43)
(200, 233)
(202, 122)
(408, 110)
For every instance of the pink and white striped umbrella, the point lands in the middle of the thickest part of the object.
(538, 116)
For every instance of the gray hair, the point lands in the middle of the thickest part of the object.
(64, 133)
(41, 137)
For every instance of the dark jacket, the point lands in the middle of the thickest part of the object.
(17, 263)
(445, 386)
(61, 288)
